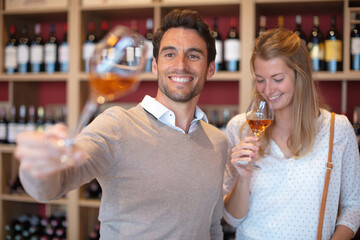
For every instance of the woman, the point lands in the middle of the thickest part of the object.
(282, 199)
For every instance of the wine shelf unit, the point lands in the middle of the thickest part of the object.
(77, 16)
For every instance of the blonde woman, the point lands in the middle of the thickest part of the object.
(282, 199)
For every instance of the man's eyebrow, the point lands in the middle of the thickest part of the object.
(198, 50)
(166, 48)
(193, 49)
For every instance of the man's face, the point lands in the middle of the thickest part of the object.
(181, 66)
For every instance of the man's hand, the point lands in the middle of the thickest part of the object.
(43, 154)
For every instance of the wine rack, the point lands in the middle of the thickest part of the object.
(340, 88)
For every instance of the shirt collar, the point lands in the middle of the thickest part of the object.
(158, 110)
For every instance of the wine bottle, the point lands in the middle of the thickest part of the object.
(37, 51)
(51, 49)
(49, 119)
(23, 52)
(218, 46)
(14, 186)
(149, 36)
(298, 29)
(95, 234)
(89, 46)
(12, 126)
(3, 125)
(11, 52)
(333, 48)
(316, 47)
(225, 119)
(40, 119)
(104, 29)
(31, 123)
(355, 45)
(232, 48)
(21, 123)
(262, 26)
(93, 190)
(63, 52)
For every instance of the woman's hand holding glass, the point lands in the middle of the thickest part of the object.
(245, 152)
(259, 115)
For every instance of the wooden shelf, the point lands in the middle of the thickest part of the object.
(38, 77)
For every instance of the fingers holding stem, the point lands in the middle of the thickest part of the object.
(246, 152)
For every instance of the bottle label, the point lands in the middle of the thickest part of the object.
(23, 54)
(232, 49)
(30, 127)
(333, 50)
(12, 131)
(64, 53)
(36, 54)
(10, 57)
(2, 131)
(315, 51)
(355, 46)
(218, 47)
(88, 49)
(50, 53)
(21, 127)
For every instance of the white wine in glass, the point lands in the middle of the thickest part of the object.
(259, 115)
(114, 70)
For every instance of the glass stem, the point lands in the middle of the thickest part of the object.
(90, 108)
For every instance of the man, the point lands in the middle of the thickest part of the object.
(160, 165)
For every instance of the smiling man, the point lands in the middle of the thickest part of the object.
(160, 164)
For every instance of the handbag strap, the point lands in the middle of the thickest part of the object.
(329, 167)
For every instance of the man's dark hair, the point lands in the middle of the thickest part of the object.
(187, 19)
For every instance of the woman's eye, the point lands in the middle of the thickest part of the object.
(279, 80)
(259, 80)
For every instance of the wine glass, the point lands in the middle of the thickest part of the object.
(114, 70)
(259, 115)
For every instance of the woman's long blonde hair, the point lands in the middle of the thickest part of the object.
(286, 45)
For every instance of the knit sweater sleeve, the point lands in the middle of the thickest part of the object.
(350, 183)
(98, 160)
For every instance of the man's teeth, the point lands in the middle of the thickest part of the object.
(180, 79)
(274, 97)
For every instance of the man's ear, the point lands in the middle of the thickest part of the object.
(211, 69)
(154, 67)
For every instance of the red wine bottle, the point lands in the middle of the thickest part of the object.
(51, 49)
(23, 51)
(355, 45)
(63, 52)
(316, 47)
(232, 48)
(11, 52)
(37, 51)
(333, 48)
(89, 45)
(218, 46)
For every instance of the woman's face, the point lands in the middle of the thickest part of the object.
(276, 81)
